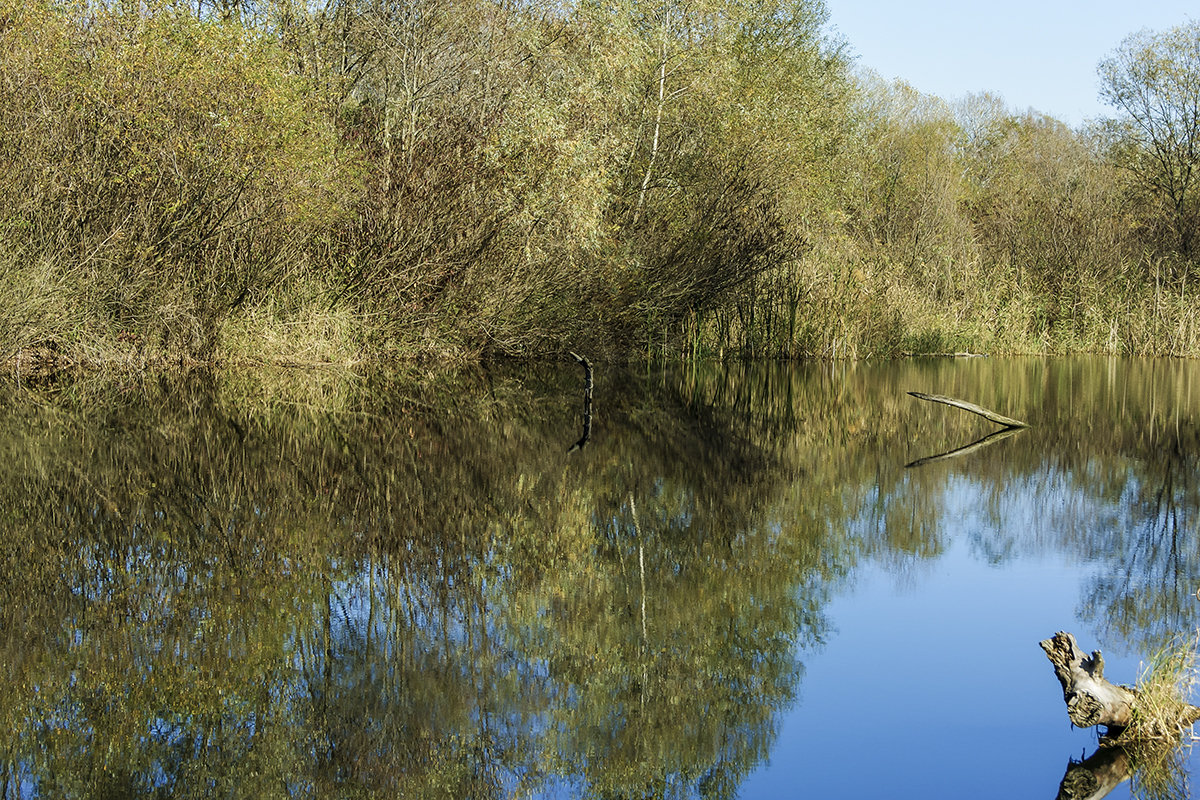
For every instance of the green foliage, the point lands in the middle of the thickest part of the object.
(1153, 81)
(169, 168)
(462, 179)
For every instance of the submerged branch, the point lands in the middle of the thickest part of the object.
(588, 384)
(987, 414)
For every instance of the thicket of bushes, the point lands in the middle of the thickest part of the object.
(432, 178)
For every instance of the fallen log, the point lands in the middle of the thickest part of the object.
(989, 415)
(1090, 698)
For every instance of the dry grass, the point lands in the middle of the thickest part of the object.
(1161, 735)
(1162, 712)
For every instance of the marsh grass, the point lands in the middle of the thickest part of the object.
(1161, 736)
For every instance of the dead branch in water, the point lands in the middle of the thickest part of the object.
(1090, 698)
(987, 414)
(1146, 726)
(588, 383)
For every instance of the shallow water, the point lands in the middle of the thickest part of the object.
(277, 585)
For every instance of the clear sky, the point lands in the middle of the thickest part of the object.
(1039, 55)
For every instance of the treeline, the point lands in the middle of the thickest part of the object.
(302, 182)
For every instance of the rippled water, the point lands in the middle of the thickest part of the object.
(261, 585)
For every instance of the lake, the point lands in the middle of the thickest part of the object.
(734, 581)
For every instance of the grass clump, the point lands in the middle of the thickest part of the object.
(1162, 712)
(1160, 736)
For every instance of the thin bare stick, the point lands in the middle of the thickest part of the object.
(588, 383)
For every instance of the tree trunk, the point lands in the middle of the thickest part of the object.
(1091, 700)
(658, 116)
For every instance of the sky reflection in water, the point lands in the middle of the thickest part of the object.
(255, 588)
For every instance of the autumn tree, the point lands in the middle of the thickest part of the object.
(1153, 81)
(909, 186)
(140, 192)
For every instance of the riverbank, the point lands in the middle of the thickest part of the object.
(183, 186)
(1140, 324)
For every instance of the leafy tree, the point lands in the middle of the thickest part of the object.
(1046, 213)
(162, 197)
(1153, 80)
(909, 189)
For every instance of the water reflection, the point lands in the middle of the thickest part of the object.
(421, 596)
(258, 586)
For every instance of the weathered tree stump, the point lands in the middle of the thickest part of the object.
(1091, 700)
(1140, 739)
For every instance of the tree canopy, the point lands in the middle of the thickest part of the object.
(306, 182)
(1153, 81)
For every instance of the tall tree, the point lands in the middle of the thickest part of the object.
(1153, 80)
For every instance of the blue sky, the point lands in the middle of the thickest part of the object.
(1039, 55)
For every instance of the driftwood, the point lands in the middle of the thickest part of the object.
(959, 354)
(1011, 426)
(1091, 699)
(587, 403)
(990, 416)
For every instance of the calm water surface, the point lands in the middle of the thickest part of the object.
(328, 586)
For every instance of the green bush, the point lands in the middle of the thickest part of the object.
(163, 169)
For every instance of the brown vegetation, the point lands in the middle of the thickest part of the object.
(288, 182)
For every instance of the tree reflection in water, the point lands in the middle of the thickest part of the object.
(279, 585)
(202, 596)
